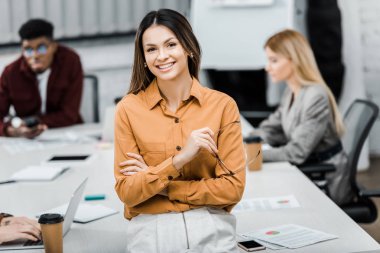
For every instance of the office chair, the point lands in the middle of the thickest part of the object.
(117, 100)
(89, 108)
(358, 120)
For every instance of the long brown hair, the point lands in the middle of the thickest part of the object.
(177, 23)
(294, 46)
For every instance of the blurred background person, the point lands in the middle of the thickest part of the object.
(44, 85)
(307, 125)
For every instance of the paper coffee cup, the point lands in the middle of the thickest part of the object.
(51, 228)
(254, 153)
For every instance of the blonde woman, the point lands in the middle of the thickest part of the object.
(307, 126)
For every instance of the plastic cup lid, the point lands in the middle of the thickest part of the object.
(253, 139)
(50, 218)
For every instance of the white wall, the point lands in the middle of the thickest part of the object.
(369, 13)
(361, 43)
(73, 18)
(352, 58)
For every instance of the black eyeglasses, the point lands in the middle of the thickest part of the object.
(224, 167)
(220, 161)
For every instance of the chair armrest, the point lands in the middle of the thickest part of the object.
(369, 193)
(317, 168)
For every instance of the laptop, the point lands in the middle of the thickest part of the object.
(69, 218)
(108, 124)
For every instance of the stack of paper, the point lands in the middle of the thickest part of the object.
(289, 236)
(38, 173)
(85, 212)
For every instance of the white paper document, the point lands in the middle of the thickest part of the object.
(38, 173)
(265, 204)
(64, 137)
(21, 145)
(290, 236)
(85, 212)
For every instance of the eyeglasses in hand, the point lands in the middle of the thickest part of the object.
(224, 167)
(220, 161)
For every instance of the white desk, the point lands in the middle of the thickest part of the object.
(316, 210)
(27, 198)
(107, 235)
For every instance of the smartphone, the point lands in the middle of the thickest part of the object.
(62, 158)
(251, 246)
(31, 122)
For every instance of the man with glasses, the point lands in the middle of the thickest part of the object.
(43, 86)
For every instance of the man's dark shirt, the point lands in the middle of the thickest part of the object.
(19, 87)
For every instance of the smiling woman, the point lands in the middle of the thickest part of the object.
(178, 157)
(165, 57)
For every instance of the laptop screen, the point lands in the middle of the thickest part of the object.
(69, 218)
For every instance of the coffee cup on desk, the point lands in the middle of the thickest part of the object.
(254, 153)
(51, 228)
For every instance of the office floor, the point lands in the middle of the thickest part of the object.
(371, 179)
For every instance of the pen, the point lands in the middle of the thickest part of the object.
(7, 181)
(95, 197)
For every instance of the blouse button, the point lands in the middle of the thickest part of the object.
(170, 177)
(176, 120)
(178, 148)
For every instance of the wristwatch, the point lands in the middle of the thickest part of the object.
(4, 215)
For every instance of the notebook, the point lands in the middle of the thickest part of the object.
(65, 159)
(86, 212)
(39, 173)
(69, 218)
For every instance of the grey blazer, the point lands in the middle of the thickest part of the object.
(305, 126)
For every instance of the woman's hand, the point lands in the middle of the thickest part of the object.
(133, 165)
(14, 228)
(18, 231)
(198, 139)
(19, 220)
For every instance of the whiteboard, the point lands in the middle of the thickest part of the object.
(232, 36)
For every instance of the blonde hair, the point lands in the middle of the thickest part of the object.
(294, 46)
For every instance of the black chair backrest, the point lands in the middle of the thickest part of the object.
(358, 121)
(90, 99)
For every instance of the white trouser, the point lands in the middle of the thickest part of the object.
(200, 230)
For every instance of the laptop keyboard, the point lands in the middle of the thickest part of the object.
(33, 243)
